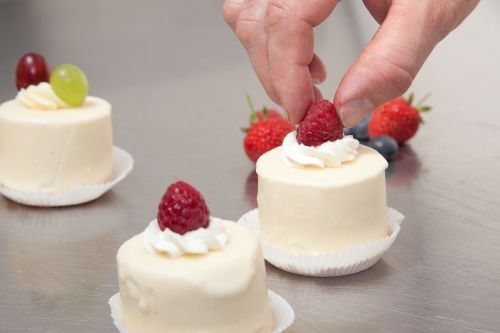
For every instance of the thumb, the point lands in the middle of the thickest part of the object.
(388, 65)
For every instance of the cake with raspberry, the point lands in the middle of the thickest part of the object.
(321, 192)
(52, 135)
(189, 272)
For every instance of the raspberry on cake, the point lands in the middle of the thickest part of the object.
(189, 272)
(321, 192)
(182, 209)
(320, 124)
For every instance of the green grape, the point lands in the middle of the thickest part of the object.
(70, 84)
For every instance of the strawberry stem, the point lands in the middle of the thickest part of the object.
(250, 104)
(410, 98)
(423, 99)
(265, 113)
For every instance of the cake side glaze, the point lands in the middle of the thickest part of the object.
(195, 293)
(312, 211)
(53, 150)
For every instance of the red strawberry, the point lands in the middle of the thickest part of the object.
(261, 115)
(182, 209)
(320, 124)
(264, 136)
(397, 118)
(267, 130)
(266, 113)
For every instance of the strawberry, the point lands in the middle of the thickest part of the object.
(267, 130)
(397, 118)
(266, 113)
(182, 208)
(264, 136)
(261, 115)
(320, 124)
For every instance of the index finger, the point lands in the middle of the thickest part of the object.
(289, 26)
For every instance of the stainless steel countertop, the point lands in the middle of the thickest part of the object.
(176, 77)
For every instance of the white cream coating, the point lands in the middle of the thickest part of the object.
(53, 151)
(312, 211)
(222, 291)
(40, 97)
(198, 241)
(329, 154)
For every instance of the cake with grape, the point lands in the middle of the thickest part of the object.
(52, 135)
(189, 272)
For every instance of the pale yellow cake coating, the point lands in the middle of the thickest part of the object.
(312, 211)
(223, 291)
(52, 150)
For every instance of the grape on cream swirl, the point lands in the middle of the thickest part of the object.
(40, 97)
(198, 241)
(329, 154)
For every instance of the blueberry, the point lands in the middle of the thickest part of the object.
(348, 131)
(385, 145)
(360, 131)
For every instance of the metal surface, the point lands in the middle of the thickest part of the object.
(176, 77)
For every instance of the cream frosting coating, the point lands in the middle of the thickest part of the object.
(40, 97)
(328, 154)
(223, 291)
(198, 241)
(53, 151)
(312, 211)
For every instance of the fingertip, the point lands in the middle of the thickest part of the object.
(231, 10)
(318, 95)
(297, 111)
(352, 112)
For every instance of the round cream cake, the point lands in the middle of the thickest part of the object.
(222, 291)
(310, 210)
(52, 150)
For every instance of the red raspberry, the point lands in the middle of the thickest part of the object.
(320, 124)
(182, 209)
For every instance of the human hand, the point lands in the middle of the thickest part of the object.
(278, 36)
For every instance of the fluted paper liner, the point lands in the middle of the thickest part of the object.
(283, 313)
(122, 166)
(344, 262)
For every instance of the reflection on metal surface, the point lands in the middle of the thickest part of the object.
(405, 168)
(175, 75)
(251, 189)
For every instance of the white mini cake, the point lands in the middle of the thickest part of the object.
(54, 148)
(207, 280)
(317, 200)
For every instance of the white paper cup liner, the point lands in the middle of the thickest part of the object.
(344, 262)
(283, 313)
(123, 164)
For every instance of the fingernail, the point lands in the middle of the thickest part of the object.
(355, 110)
(315, 80)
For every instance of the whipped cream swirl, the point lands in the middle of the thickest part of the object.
(329, 154)
(198, 241)
(40, 97)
